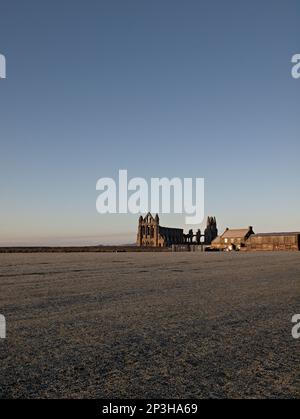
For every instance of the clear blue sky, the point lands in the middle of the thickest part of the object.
(162, 88)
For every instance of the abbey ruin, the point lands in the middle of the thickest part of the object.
(152, 234)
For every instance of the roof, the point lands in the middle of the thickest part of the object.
(235, 233)
(276, 234)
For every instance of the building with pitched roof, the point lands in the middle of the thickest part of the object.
(232, 239)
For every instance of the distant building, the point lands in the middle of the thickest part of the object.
(151, 234)
(274, 241)
(232, 239)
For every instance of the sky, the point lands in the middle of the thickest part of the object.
(162, 88)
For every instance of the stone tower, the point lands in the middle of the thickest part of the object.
(148, 231)
(211, 231)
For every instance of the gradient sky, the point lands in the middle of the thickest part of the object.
(161, 88)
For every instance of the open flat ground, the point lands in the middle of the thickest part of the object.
(149, 325)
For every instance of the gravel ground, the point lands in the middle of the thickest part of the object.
(179, 325)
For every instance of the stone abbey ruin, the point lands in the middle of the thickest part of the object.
(152, 234)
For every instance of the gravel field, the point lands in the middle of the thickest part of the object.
(149, 325)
